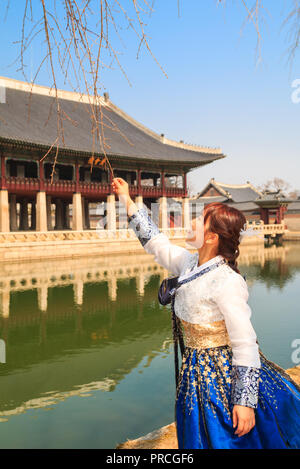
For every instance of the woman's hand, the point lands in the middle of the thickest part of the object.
(120, 187)
(243, 418)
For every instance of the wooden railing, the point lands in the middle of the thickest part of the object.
(60, 187)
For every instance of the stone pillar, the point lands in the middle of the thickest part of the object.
(4, 211)
(13, 212)
(24, 215)
(5, 303)
(112, 288)
(77, 222)
(33, 216)
(139, 201)
(78, 286)
(41, 212)
(42, 293)
(111, 213)
(186, 219)
(49, 213)
(140, 283)
(163, 213)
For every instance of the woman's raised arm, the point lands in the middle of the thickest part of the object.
(168, 255)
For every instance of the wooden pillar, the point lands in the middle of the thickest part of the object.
(66, 211)
(83, 213)
(163, 183)
(33, 216)
(264, 215)
(13, 212)
(41, 175)
(110, 183)
(59, 224)
(139, 182)
(4, 211)
(49, 214)
(185, 184)
(103, 177)
(3, 172)
(41, 212)
(77, 177)
(24, 215)
(279, 214)
(87, 215)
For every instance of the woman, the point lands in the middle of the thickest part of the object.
(228, 395)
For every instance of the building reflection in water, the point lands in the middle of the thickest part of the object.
(75, 326)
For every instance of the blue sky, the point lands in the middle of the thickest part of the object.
(214, 95)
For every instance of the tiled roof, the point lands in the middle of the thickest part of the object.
(235, 192)
(41, 128)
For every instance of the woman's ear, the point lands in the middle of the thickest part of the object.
(212, 238)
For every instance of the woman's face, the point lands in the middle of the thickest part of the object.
(196, 233)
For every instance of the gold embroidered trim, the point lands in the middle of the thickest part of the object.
(202, 336)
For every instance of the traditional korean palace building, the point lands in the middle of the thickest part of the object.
(268, 207)
(28, 129)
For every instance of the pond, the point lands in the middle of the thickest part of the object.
(89, 357)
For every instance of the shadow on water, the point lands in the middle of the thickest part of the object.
(75, 327)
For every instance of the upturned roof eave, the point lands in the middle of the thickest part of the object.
(36, 145)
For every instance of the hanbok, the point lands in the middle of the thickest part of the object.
(222, 365)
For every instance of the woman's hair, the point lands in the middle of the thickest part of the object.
(227, 222)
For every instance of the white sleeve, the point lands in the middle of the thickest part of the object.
(168, 255)
(232, 301)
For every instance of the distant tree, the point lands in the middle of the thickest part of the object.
(275, 184)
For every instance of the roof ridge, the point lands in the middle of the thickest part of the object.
(233, 186)
(239, 186)
(11, 83)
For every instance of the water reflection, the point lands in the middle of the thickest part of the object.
(78, 326)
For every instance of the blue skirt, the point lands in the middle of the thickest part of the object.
(203, 411)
